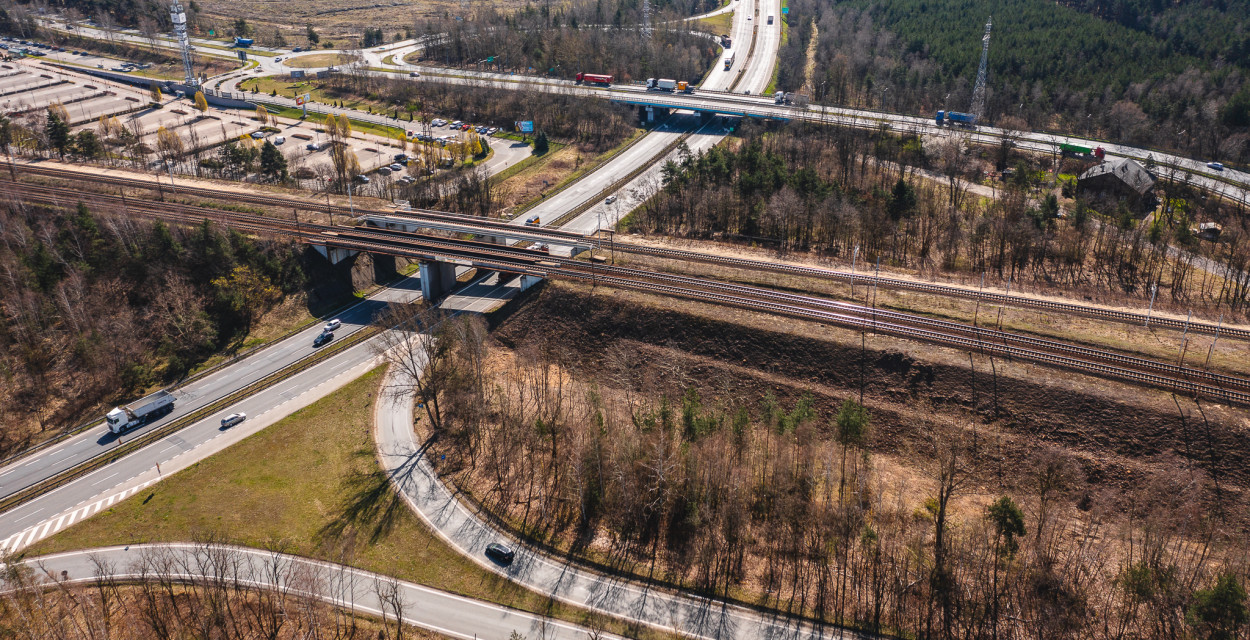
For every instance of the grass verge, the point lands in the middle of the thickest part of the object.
(325, 497)
(318, 60)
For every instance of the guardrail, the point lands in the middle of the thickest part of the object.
(104, 458)
(73, 431)
(634, 173)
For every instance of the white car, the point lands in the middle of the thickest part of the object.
(233, 419)
(279, 140)
(332, 325)
(610, 200)
(257, 135)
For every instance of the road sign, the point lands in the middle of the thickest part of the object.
(525, 126)
(785, 10)
(242, 56)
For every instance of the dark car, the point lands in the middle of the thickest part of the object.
(499, 553)
(322, 338)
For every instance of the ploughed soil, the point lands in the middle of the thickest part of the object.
(1120, 434)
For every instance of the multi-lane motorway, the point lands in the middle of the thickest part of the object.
(59, 508)
(26, 523)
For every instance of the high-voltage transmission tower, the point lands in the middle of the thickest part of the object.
(978, 92)
(179, 18)
(646, 19)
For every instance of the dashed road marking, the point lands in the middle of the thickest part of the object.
(19, 541)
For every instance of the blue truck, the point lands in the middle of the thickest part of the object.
(955, 117)
(242, 43)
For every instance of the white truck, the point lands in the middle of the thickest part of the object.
(661, 84)
(137, 413)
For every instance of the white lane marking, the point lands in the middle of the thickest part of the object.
(102, 479)
(27, 515)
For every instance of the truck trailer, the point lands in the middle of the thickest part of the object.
(1078, 150)
(594, 78)
(661, 84)
(955, 117)
(729, 61)
(141, 412)
(242, 43)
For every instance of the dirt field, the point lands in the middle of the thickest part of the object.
(334, 18)
(1112, 427)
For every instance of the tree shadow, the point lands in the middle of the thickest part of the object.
(371, 506)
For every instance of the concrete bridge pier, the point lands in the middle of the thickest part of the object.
(437, 280)
(334, 254)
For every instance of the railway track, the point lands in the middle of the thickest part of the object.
(504, 258)
(1124, 317)
(982, 334)
(961, 342)
(1002, 299)
(304, 204)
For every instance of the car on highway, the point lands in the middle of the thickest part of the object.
(279, 140)
(1218, 166)
(397, 167)
(233, 419)
(297, 49)
(322, 338)
(332, 325)
(499, 553)
(413, 74)
(610, 200)
(278, 59)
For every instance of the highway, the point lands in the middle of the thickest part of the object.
(200, 392)
(339, 585)
(114, 478)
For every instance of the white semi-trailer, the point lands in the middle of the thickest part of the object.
(137, 413)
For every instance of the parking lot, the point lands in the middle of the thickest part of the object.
(28, 90)
(371, 151)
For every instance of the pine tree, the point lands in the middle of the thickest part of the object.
(541, 145)
(58, 132)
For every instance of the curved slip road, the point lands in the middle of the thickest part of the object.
(336, 584)
(402, 457)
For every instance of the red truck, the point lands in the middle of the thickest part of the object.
(594, 78)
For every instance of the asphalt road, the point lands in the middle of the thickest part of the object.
(339, 585)
(98, 439)
(402, 457)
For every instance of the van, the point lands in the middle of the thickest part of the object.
(533, 221)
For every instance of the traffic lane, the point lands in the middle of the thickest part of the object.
(338, 585)
(66, 455)
(604, 215)
(402, 456)
(594, 183)
(108, 478)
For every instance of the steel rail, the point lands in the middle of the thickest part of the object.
(1125, 317)
(517, 260)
